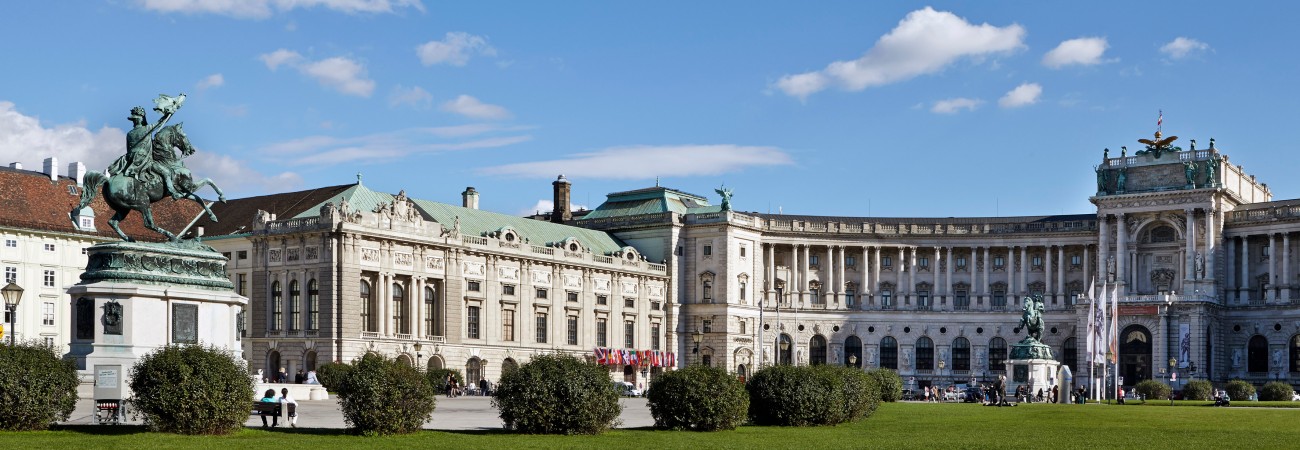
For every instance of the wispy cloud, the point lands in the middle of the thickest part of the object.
(544, 206)
(1182, 47)
(262, 9)
(1023, 95)
(330, 150)
(338, 73)
(645, 162)
(955, 105)
(454, 49)
(415, 96)
(473, 108)
(1082, 51)
(210, 81)
(925, 41)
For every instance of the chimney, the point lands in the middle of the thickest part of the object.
(16, 165)
(77, 171)
(51, 168)
(561, 213)
(469, 198)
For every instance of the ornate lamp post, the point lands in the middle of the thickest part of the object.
(419, 357)
(853, 360)
(13, 294)
(695, 338)
(785, 346)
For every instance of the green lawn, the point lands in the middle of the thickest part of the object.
(896, 425)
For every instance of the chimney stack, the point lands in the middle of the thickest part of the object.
(16, 165)
(77, 171)
(561, 213)
(469, 198)
(51, 168)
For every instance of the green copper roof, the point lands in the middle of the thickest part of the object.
(651, 201)
(475, 222)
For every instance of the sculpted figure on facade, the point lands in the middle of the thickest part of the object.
(1236, 352)
(1110, 268)
(1189, 171)
(1199, 262)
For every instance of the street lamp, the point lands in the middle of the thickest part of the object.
(13, 294)
(696, 337)
(1173, 364)
(419, 358)
(853, 360)
(785, 347)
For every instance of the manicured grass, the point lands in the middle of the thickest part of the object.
(895, 425)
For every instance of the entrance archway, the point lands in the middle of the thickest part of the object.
(1135, 354)
(272, 366)
(888, 353)
(817, 350)
(1257, 354)
(783, 356)
(853, 352)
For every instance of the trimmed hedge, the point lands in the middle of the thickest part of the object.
(861, 392)
(1239, 390)
(331, 374)
(698, 398)
(1153, 390)
(800, 396)
(191, 389)
(1198, 390)
(1276, 391)
(382, 396)
(438, 379)
(891, 385)
(37, 388)
(557, 394)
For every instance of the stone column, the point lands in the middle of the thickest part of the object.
(1121, 253)
(911, 274)
(803, 274)
(384, 302)
(1286, 266)
(1243, 285)
(1048, 284)
(865, 287)
(796, 270)
(417, 306)
(1272, 266)
(947, 272)
(839, 274)
(1010, 269)
(1230, 281)
(1060, 271)
(1087, 267)
(828, 294)
(1189, 263)
(875, 270)
(1103, 245)
(987, 262)
(1024, 268)
(1210, 243)
(898, 278)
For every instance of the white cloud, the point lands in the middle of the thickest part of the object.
(378, 147)
(210, 81)
(1081, 51)
(415, 96)
(924, 42)
(645, 162)
(23, 139)
(338, 73)
(261, 9)
(545, 206)
(473, 108)
(1023, 95)
(955, 105)
(454, 49)
(1182, 47)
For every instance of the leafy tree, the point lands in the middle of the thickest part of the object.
(1153, 390)
(557, 394)
(891, 385)
(1198, 390)
(331, 374)
(382, 396)
(191, 389)
(699, 398)
(1276, 391)
(1239, 390)
(796, 395)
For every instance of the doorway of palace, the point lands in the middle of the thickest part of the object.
(853, 352)
(1135, 354)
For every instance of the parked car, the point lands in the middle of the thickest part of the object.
(973, 394)
(626, 389)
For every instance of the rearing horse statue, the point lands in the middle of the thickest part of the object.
(1031, 318)
(126, 193)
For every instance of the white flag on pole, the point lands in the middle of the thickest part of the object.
(1092, 324)
(1099, 331)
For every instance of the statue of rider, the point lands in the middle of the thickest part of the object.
(139, 146)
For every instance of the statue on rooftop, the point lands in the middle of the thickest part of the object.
(1158, 145)
(726, 197)
(1211, 178)
(1189, 170)
(149, 171)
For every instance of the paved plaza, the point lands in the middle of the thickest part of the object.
(460, 413)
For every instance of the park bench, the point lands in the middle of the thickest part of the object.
(265, 409)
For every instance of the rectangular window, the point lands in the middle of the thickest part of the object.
(47, 313)
(999, 262)
(1038, 261)
(49, 278)
(602, 332)
(654, 306)
(11, 274)
(743, 328)
(602, 299)
(850, 297)
(886, 261)
(242, 254)
(706, 325)
(540, 320)
(742, 290)
(242, 283)
(923, 299)
(508, 325)
(961, 262)
(472, 320)
(814, 260)
(573, 330)
(226, 255)
(708, 250)
(473, 286)
(850, 261)
(629, 302)
(961, 301)
(11, 243)
(508, 289)
(999, 299)
(1076, 260)
(886, 299)
(542, 293)
(706, 360)
(654, 336)
(742, 251)
(572, 296)
(49, 341)
(1264, 251)
(629, 334)
(49, 247)
(85, 250)
(923, 261)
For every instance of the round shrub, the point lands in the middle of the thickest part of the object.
(1198, 390)
(438, 379)
(557, 394)
(861, 392)
(36, 387)
(1153, 390)
(796, 395)
(699, 398)
(331, 374)
(891, 385)
(1276, 391)
(191, 389)
(1239, 390)
(382, 396)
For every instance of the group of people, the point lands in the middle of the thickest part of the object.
(1023, 394)
(1221, 398)
(455, 388)
(302, 377)
(937, 394)
(287, 403)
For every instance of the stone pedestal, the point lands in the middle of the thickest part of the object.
(1033, 373)
(137, 297)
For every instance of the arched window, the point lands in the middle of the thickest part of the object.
(960, 354)
(1070, 351)
(708, 292)
(310, 361)
(272, 365)
(1295, 354)
(509, 365)
(997, 354)
(431, 312)
(295, 308)
(784, 349)
(473, 372)
(1163, 234)
(313, 305)
(399, 310)
(889, 353)
(367, 308)
(1257, 354)
(817, 350)
(924, 354)
(277, 306)
(853, 352)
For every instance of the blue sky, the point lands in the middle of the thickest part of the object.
(830, 108)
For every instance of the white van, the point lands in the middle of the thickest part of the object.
(626, 389)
